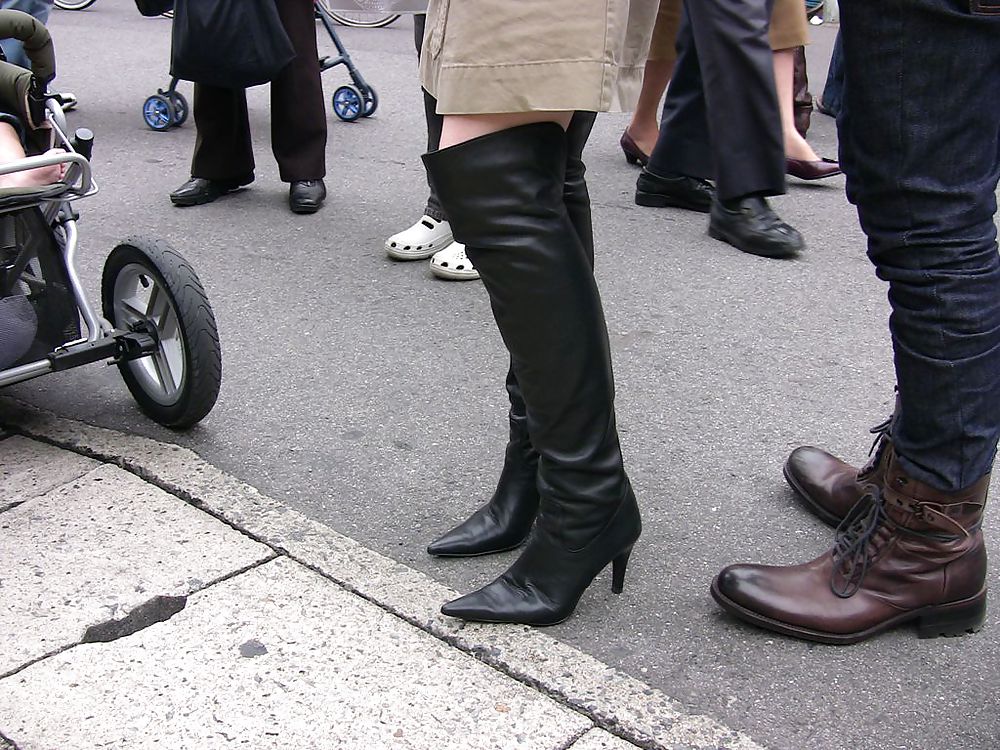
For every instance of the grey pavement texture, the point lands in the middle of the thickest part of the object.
(368, 397)
(138, 617)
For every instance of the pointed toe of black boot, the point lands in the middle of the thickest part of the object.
(505, 521)
(480, 606)
(496, 527)
(452, 544)
(481, 534)
(503, 601)
(474, 536)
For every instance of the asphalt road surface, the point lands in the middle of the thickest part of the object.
(370, 396)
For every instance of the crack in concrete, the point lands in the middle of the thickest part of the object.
(69, 646)
(158, 609)
(568, 745)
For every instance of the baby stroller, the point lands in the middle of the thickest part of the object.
(168, 108)
(157, 325)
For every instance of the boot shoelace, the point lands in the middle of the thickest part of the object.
(882, 432)
(858, 542)
(866, 529)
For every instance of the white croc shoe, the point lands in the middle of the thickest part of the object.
(420, 241)
(452, 264)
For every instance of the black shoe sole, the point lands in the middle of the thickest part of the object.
(659, 200)
(201, 199)
(476, 553)
(195, 200)
(303, 209)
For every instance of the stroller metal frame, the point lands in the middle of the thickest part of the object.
(349, 102)
(81, 185)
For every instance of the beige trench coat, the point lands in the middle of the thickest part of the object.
(485, 56)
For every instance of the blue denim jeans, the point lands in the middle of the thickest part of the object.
(833, 90)
(920, 143)
(12, 48)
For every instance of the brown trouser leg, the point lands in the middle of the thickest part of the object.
(222, 149)
(298, 118)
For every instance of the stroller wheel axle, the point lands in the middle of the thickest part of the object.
(121, 347)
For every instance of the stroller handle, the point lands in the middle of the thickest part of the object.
(48, 160)
(15, 24)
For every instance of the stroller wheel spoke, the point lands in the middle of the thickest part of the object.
(158, 306)
(172, 355)
(164, 375)
(133, 310)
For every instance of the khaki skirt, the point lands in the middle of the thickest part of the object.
(789, 28)
(492, 56)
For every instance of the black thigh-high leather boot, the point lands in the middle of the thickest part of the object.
(503, 193)
(504, 522)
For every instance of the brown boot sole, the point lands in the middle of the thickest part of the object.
(953, 619)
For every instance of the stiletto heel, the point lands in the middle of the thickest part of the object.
(618, 566)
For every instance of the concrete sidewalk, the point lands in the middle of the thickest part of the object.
(148, 600)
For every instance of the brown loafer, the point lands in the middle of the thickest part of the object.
(811, 170)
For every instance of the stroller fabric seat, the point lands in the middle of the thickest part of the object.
(18, 326)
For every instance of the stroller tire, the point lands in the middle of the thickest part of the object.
(363, 20)
(147, 285)
(348, 103)
(74, 4)
(158, 113)
(371, 101)
(181, 108)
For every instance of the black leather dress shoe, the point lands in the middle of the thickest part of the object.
(200, 190)
(306, 196)
(676, 190)
(751, 226)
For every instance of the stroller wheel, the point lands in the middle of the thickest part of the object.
(371, 102)
(148, 286)
(158, 112)
(74, 4)
(348, 104)
(180, 107)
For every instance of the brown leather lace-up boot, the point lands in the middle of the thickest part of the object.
(907, 553)
(829, 487)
